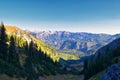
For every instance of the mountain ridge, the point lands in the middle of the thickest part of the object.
(88, 43)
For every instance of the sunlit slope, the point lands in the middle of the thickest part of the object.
(13, 30)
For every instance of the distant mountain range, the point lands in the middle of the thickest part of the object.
(80, 41)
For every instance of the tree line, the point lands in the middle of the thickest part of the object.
(7, 47)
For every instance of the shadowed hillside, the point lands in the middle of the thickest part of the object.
(102, 59)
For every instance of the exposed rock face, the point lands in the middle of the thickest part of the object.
(112, 73)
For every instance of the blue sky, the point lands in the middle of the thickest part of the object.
(96, 16)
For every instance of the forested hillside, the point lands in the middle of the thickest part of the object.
(24, 36)
(24, 57)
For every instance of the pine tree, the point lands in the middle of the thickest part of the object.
(13, 55)
(31, 49)
(26, 47)
(85, 69)
(3, 43)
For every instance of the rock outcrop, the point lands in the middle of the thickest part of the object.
(112, 73)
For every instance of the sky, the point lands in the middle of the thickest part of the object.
(95, 16)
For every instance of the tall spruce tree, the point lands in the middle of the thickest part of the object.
(31, 49)
(85, 69)
(3, 43)
(13, 55)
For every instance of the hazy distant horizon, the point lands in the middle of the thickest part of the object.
(66, 31)
(112, 28)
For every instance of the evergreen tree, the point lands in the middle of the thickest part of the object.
(3, 43)
(32, 50)
(26, 47)
(85, 69)
(13, 55)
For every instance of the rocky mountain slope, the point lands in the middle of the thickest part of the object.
(84, 42)
(102, 59)
(112, 73)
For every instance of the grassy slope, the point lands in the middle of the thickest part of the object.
(70, 54)
(41, 45)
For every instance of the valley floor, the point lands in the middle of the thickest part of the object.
(63, 77)
(56, 77)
